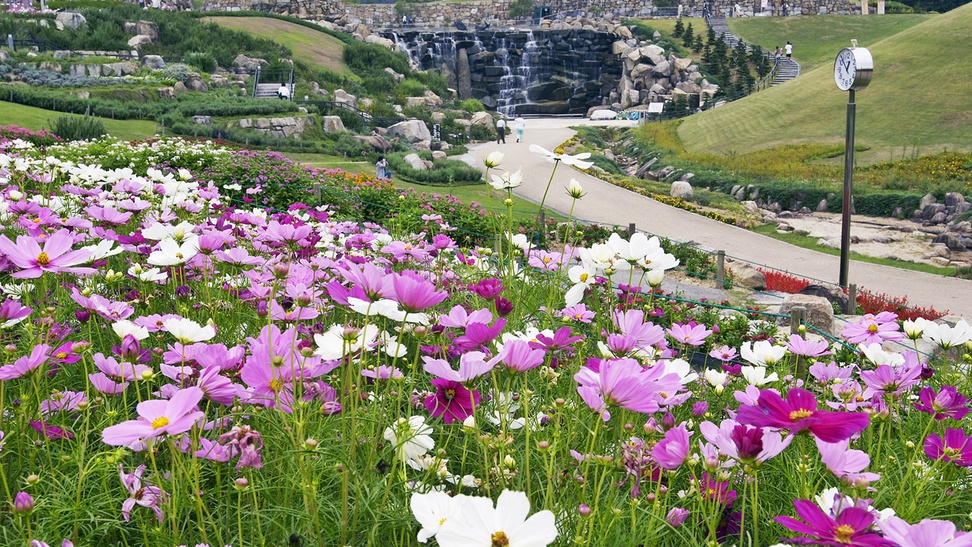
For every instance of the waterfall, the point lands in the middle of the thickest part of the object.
(517, 77)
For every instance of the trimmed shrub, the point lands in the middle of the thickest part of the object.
(78, 128)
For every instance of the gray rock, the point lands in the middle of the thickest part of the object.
(203, 120)
(953, 242)
(154, 62)
(71, 20)
(377, 142)
(130, 28)
(819, 311)
(749, 277)
(927, 200)
(952, 199)
(411, 130)
(167, 92)
(180, 88)
(195, 82)
(833, 294)
(438, 155)
(248, 63)
(332, 124)
(398, 77)
(681, 189)
(148, 28)
(822, 206)
(343, 97)
(415, 162)
(482, 118)
(138, 41)
(662, 69)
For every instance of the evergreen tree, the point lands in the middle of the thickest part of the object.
(688, 36)
(711, 38)
(698, 46)
(679, 28)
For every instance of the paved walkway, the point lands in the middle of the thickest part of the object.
(609, 204)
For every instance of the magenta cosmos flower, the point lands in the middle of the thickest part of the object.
(956, 447)
(873, 329)
(451, 400)
(689, 333)
(947, 403)
(156, 418)
(414, 292)
(626, 384)
(55, 257)
(672, 451)
(798, 413)
(851, 527)
(752, 445)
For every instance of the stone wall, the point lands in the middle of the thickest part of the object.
(278, 127)
(442, 14)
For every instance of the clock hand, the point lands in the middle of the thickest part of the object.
(847, 65)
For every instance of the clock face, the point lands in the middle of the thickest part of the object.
(845, 69)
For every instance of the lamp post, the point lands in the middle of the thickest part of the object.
(852, 72)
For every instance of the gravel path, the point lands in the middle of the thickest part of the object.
(609, 204)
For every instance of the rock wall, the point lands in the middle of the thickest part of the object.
(278, 127)
(440, 14)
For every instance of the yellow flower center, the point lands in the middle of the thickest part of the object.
(499, 539)
(843, 533)
(800, 414)
(43, 259)
(276, 384)
(583, 277)
(450, 394)
(160, 422)
(872, 329)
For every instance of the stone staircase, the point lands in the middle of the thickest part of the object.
(785, 71)
(269, 91)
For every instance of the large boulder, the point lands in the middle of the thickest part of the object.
(195, 82)
(411, 130)
(343, 97)
(819, 311)
(71, 20)
(834, 294)
(167, 92)
(375, 39)
(377, 142)
(139, 40)
(749, 277)
(681, 189)
(248, 63)
(123, 68)
(332, 124)
(481, 118)
(154, 62)
(148, 28)
(415, 162)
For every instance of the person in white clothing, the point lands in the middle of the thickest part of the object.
(789, 50)
(501, 130)
(283, 92)
(519, 124)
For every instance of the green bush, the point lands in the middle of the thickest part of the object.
(472, 105)
(78, 128)
(443, 173)
(409, 88)
(372, 58)
(201, 61)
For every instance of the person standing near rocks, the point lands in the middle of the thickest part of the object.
(501, 130)
(520, 125)
(381, 169)
(789, 50)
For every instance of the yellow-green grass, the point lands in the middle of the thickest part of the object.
(309, 46)
(667, 26)
(917, 101)
(37, 119)
(816, 40)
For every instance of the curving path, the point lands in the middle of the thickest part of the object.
(609, 204)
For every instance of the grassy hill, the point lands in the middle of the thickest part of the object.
(309, 46)
(917, 102)
(37, 119)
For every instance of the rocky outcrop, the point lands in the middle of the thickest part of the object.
(71, 20)
(277, 127)
(411, 130)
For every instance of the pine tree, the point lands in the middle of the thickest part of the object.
(711, 38)
(679, 28)
(698, 44)
(688, 36)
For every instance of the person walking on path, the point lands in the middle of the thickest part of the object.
(519, 124)
(777, 56)
(789, 50)
(501, 130)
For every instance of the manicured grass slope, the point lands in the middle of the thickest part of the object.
(37, 119)
(917, 100)
(308, 45)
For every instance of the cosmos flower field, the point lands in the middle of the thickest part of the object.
(196, 358)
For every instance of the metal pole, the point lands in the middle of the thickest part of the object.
(848, 175)
(632, 229)
(720, 269)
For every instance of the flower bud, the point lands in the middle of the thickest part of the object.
(583, 510)
(241, 483)
(23, 503)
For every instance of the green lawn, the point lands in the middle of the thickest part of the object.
(816, 40)
(310, 46)
(37, 119)
(917, 100)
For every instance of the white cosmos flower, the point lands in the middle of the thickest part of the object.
(756, 376)
(411, 437)
(339, 341)
(914, 329)
(876, 354)
(761, 353)
(946, 336)
(147, 274)
(602, 257)
(159, 231)
(188, 331)
(494, 159)
(575, 160)
(575, 190)
(171, 253)
(682, 368)
(507, 181)
(715, 377)
(519, 241)
(126, 327)
(658, 260)
(478, 523)
(582, 277)
(432, 510)
(102, 249)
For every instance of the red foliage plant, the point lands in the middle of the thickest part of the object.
(867, 302)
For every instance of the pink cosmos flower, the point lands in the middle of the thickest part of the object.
(414, 292)
(752, 445)
(624, 383)
(477, 335)
(890, 380)
(798, 413)
(851, 527)
(724, 354)
(24, 365)
(518, 356)
(672, 451)
(845, 463)
(947, 403)
(803, 347)
(142, 493)
(156, 418)
(55, 257)
(956, 447)
(451, 400)
(459, 318)
(937, 533)
(12, 312)
(689, 333)
(873, 329)
(472, 365)
(632, 322)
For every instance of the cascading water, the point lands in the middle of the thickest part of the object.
(519, 71)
